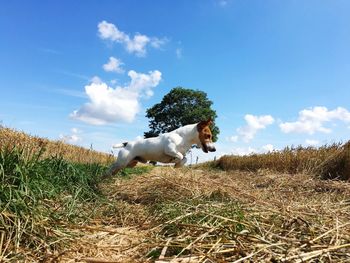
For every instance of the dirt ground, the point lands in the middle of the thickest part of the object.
(203, 215)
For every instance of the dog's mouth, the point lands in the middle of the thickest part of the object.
(208, 148)
(204, 148)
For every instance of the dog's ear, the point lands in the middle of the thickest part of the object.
(201, 125)
(209, 121)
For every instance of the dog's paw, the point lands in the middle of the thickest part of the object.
(175, 160)
(178, 158)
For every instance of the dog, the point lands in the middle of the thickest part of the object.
(168, 147)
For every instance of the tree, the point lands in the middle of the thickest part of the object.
(178, 108)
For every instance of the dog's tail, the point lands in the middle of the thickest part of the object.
(120, 145)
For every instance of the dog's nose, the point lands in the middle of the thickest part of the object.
(212, 148)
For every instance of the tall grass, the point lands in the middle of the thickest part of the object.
(45, 188)
(40, 197)
(37, 195)
(328, 161)
(33, 144)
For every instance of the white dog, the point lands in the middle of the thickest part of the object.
(169, 147)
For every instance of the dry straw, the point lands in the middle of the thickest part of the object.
(193, 215)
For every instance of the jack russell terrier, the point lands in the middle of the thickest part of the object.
(168, 147)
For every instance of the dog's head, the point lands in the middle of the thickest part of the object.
(205, 136)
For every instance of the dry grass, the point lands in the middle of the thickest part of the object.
(328, 162)
(31, 144)
(272, 211)
(336, 165)
(190, 215)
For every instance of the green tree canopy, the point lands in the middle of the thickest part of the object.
(178, 108)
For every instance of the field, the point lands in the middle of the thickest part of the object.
(32, 145)
(276, 207)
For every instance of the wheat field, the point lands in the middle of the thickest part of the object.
(276, 207)
(10, 138)
(327, 162)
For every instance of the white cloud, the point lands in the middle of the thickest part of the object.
(311, 142)
(243, 151)
(254, 123)
(137, 44)
(114, 65)
(158, 42)
(250, 150)
(268, 148)
(313, 119)
(109, 105)
(110, 31)
(72, 138)
(114, 81)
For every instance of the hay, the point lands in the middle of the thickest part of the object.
(104, 245)
(336, 166)
(192, 215)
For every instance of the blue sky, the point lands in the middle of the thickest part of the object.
(278, 72)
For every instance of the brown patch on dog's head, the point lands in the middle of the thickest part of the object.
(205, 136)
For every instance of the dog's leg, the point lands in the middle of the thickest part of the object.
(170, 150)
(182, 163)
(115, 168)
(122, 161)
(132, 163)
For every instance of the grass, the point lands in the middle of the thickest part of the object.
(33, 145)
(37, 193)
(259, 208)
(327, 162)
(40, 195)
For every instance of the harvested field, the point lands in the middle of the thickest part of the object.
(193, 215)
(264, 208)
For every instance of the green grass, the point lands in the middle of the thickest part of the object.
(129, 173)
(38, 196)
